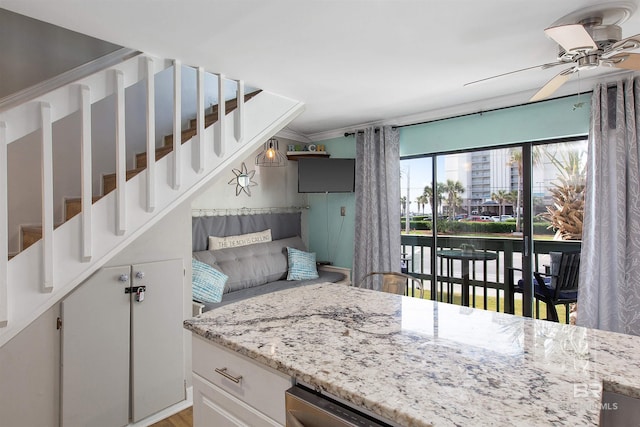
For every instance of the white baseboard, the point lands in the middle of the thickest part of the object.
(166, 413)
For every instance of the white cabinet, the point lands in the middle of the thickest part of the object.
(122, 359)
(232, 390)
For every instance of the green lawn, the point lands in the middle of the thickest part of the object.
(492, 305)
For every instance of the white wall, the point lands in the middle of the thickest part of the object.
(30, 362)
(277, 187)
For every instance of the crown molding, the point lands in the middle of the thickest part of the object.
(573, 87)
(292, 135)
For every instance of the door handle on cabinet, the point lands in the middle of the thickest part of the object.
(228, 376)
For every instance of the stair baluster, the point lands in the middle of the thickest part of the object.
(151, 137)
(4, 236)
(85, 167)
(47, 196)
(202, 158)
(121, 159)
(218, 146)
(177, 124)
(239, 113)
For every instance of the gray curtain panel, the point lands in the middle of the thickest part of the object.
(377, 236)
(609, 296)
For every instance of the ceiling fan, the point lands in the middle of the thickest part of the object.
(594, 40)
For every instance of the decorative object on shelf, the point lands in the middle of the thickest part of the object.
(243, 180)
(310, 150)
(271, 155)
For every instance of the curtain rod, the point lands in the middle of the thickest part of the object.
(346, 134)
(246, 211)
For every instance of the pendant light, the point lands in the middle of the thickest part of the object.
(271, 156)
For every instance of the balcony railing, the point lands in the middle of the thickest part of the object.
(488, 278)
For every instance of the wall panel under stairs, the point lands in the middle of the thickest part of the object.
(264, 115)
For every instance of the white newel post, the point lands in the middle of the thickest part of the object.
(47, 196)
(201, 125)
(222, 106)
(239, 116)
(151, 137)
(121, 165)
(85, 167)
(177, 123)
(4, 242)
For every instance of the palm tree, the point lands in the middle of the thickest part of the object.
(403, 203)
(501, 197)
(421, 200)
(453, 189)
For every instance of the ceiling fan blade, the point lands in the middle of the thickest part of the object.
(630, 43)
(542, 67)
(628, 61)
(552, 85)
(573, 38)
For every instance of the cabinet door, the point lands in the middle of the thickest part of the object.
(95, 351)
(157, 353)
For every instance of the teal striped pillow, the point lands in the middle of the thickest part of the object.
(302, 265)
(207, 283)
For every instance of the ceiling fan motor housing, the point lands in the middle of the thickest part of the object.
(603, 35)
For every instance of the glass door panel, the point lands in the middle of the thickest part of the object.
(417, 219)
(558, 183)
(479, 229)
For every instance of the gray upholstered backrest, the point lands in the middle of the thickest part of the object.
(251, 265)
(282, 225)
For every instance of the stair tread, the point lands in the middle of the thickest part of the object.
(78, 199)
(37, 228)
(211, 118)
(130, 172)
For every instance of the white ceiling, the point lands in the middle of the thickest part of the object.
(350, 61)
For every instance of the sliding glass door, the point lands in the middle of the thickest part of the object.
(474, 219)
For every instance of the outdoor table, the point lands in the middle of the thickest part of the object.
(465, 257)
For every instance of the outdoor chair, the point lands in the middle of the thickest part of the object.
(558, 285)
(395, 283)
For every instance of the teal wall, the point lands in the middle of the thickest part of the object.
(331, 236)
(556, 118)
(551, 119)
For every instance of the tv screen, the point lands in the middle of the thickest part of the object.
(322, 175)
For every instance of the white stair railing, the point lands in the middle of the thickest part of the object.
(74, 250)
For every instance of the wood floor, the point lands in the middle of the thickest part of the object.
(181, 419)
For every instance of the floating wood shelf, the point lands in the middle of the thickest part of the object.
(295, 155)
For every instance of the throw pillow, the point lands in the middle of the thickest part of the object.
(207, 282)
(302, 265)
(239, 240)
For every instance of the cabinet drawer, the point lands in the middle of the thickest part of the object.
(260, 387)
(214, 407)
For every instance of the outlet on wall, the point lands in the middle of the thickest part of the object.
(343, 210)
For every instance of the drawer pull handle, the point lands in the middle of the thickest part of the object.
(225, 374)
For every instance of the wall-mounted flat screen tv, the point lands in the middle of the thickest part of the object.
(324, 175)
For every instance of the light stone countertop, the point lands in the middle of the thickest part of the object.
(421, 363)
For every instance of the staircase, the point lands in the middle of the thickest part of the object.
(55, 258)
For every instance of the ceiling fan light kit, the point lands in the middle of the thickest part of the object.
(587, 39)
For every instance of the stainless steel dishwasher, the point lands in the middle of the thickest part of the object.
(309, 409)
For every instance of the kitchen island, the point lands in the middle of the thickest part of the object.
(421, 363)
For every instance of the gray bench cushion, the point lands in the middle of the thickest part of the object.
(325, 276)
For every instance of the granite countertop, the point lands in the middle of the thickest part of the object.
(421, 363)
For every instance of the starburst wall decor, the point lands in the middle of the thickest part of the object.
(243, 180)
